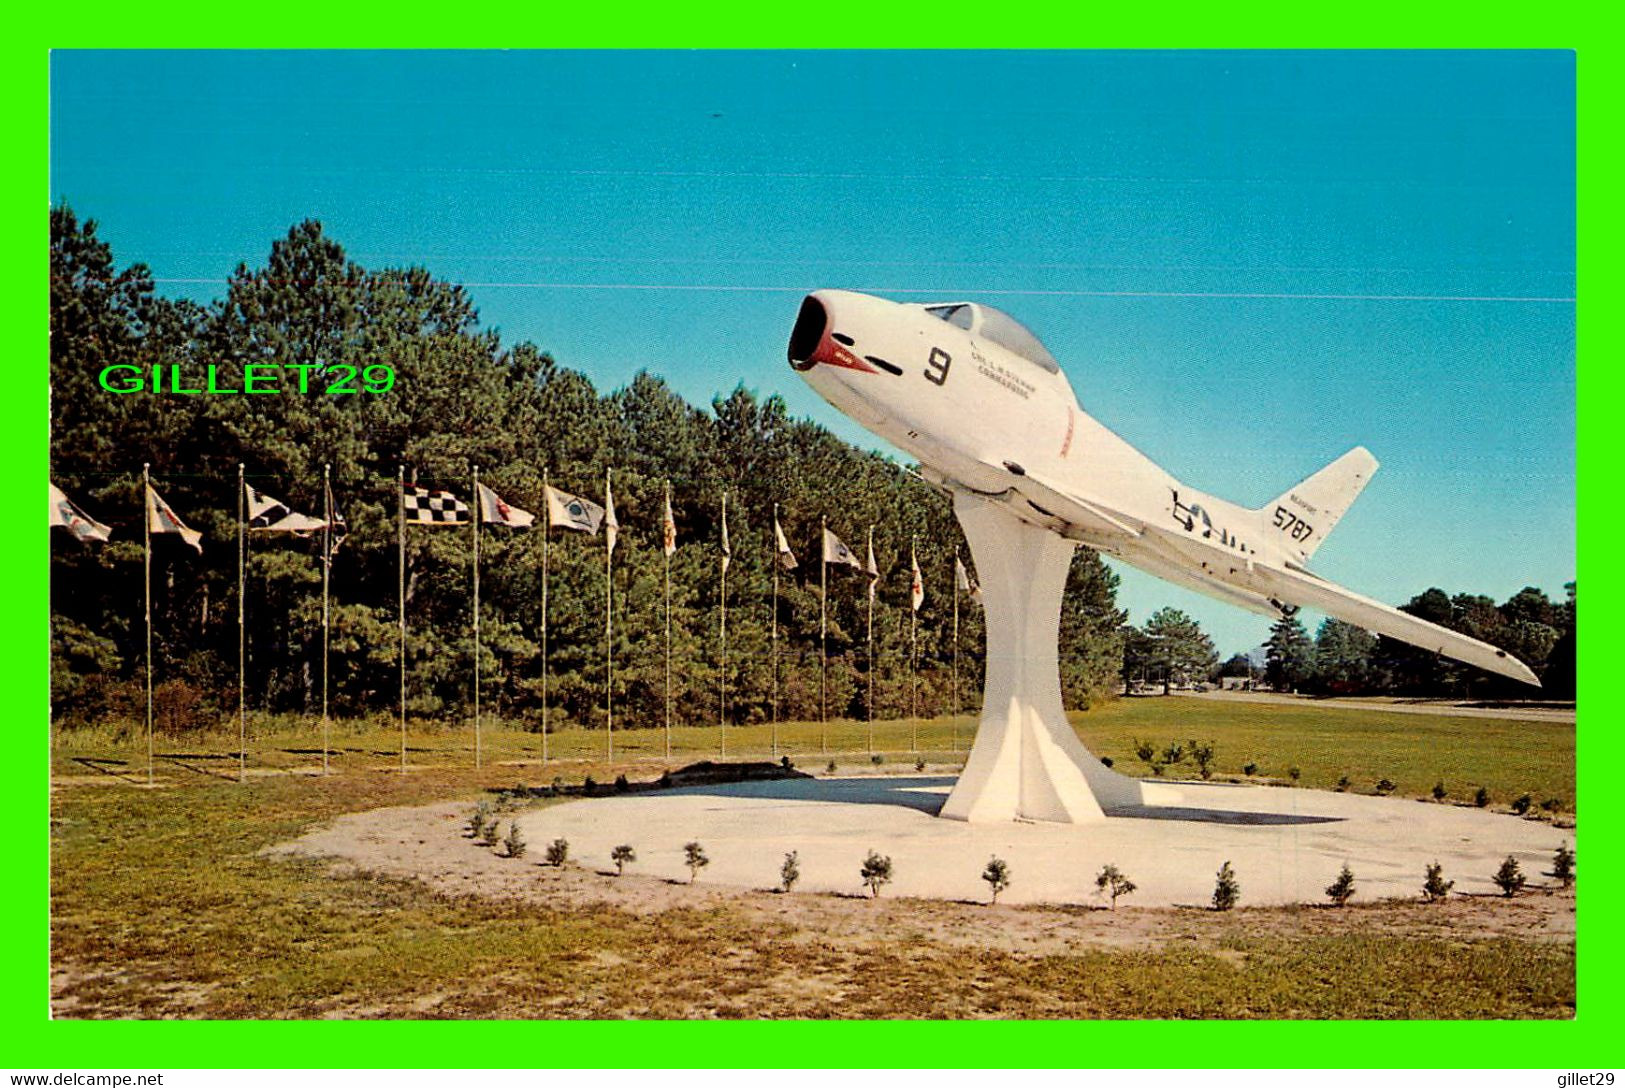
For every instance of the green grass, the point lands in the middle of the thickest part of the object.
(1508, 757)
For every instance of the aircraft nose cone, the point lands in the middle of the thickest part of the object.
(809, 338)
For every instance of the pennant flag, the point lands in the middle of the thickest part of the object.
(66, 515)
(611, 526)
(836, 552)
(161, 519)
(340, 527)
(493, 511)
(268, 515)
(571, 512)
(727, 552)
(425, 507)
(668, 528)
(916, 589)
(787, 558)
(873, 569)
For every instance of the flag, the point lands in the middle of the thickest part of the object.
(425, 507)
(611, 526)
(873, 569)
(836, 552)
(269, 515)
(727, 552)
(493, 511)
(572, 512)
(787, 558)
(340, 527)
(68, 516)
(916, 589)
(962, 580)
(668, 528)
(161, 519)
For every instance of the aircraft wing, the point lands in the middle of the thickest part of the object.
(1299, 587)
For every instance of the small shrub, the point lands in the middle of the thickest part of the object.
(1439, 792)
(621, 784)
(1249, 768)
(1563, 865)
(1435, 887)
(784, 761)
(1340, 890)
(1521, 805)
(877, 759)
(1554, 805)
(1106, 761)
(1343, 784)
(588, 784)
(558, 787)
(830, 767)
(621, 856)
(876, 871)
(1147, 753)
(790, 871)
(1226, 890)
(1509, 877)
(1112, 881)
(1203, 755)
(1384, 787)
(558, 852)
(476, 822)
(489, 835)
(694, 857)
(1482, 797)
(1174, 754)
(997, 875)
(919, 765)
(1294, 773)
(515, 842)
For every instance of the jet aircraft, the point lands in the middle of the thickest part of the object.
(986, 410)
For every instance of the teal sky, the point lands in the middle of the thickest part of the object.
(1246, 262)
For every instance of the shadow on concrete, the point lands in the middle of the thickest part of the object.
(928, 793)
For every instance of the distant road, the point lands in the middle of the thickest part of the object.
(1446, 707)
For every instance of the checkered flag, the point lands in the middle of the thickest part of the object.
(425, 507)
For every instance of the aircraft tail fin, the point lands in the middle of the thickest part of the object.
(1306, 514)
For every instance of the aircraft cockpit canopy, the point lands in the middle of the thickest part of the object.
(999, 327)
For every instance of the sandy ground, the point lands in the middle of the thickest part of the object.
(1286, 845)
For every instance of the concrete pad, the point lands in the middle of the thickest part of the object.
(1285, 845)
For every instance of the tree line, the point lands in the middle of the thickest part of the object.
(462, 397)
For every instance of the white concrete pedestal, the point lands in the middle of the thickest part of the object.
(1026, 762)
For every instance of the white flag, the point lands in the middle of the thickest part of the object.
(787, 558)
(963, 580)
(493, 511)
(572, 512)
(836, 552)
(727, 552)
(161, 519)
(916, 589)
(268, 515)
(341, 528)
(611, 526)
(873, 569)
(668, 528)
(68, 516)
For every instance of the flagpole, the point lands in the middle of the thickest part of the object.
(666, 550)
(400, 555)
(954, 717)
(547, 531)
(913, 655)
(871, 640)
(146, 565)
(722, 680)
(327, 572)
(776, 564)
(823, 629)
(242, 633)
(609, 635)
(478, 512)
